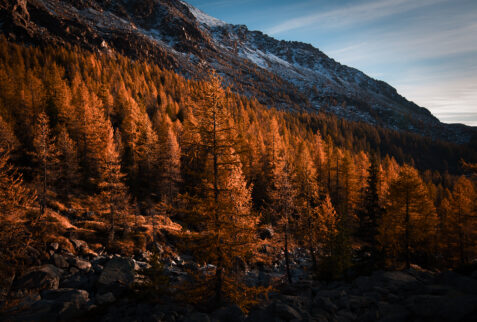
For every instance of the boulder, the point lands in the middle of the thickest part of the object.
(80, 281)
(87, 252)
(196, 317)
(325, 303)
(283, 311)
(105, 298)
(80, 264)
(231, 313)
(393, 312)
(260, 315)
(37, 279)
(54, 246)
(443, 308)
(117, 272)
(33, 256)
(78, 243)
(60, 261)
(68, 303)
(459, 282)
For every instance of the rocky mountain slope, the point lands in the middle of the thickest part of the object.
(288, 75)
(75, 279)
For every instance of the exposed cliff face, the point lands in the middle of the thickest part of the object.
(288, 75)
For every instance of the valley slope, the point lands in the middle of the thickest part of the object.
(287, 75)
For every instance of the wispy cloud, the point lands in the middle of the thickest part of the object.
(350, 15)
(409, 45)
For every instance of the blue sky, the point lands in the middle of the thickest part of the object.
(427, 49)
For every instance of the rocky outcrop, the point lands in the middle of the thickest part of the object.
(37, 279)
(78, 290)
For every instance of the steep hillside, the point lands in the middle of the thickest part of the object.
(288, 75)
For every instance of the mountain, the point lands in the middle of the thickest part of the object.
(178, 36)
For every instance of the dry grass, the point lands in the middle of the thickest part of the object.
(62, 221)
(98, 226)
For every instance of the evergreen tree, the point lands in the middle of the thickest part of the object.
(221, 203)
(371, 212)
(46, 156)
(113, 198)
(462, 221)
(68, 167)
(409, 223)
(282, 197)
(326, 229)
(170, 164)
(15, 201)
(307, 199)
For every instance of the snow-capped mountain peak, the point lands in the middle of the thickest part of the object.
(204, 18)
(178, 36)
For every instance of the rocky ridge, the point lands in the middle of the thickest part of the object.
(290, 75)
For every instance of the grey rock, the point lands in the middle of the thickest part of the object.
(459, 282)
(196, 317)
(363, 283)
(60, 261)
(230, 313)
(105, 298)
(260, 315)
(118, 270)
(74, 270)
(344, 315)
(81, 264)
(78, 281)
(37, 279)
(54, 246)
(284, 311)
(27, 302)
(325, 303)
(78, 243)
(68, 303)
(442, 308)
(357, 302)
(393, 312)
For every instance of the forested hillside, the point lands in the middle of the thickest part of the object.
(116, 143)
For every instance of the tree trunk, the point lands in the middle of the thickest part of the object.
(287, 259)
(407, 242)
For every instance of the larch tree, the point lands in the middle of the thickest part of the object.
(282, 205)
(112, 200)
(220, 201)
(169, 160)
(325, 228)
(371, 209)
(305, 179)
(8, 140)
(15, 201)
(409, 224)
(46, 156)
(90, 127)
(68, 166)
(462, 220)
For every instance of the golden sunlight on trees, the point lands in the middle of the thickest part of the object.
(409, 224)
(220, 203)
(15, 201)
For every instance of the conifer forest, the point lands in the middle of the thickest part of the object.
(127, 186)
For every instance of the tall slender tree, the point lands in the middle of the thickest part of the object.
(410, 221)
(221, 200)
(46, 155)
(113, 199)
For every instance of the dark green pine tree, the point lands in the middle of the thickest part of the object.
(371, 211)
